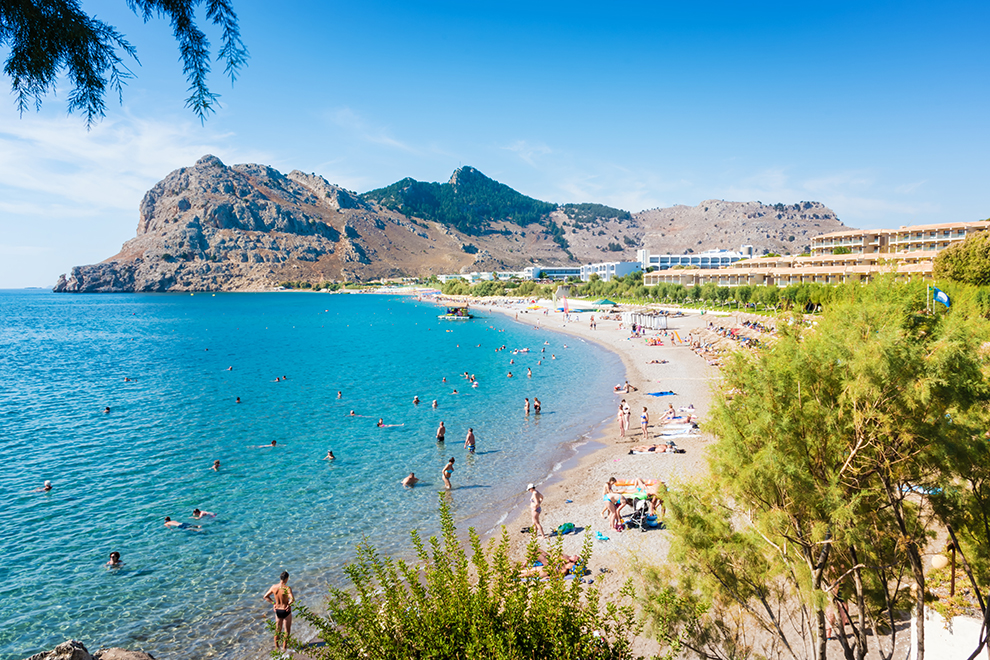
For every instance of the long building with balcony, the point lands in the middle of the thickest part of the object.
(918, 238)
(908, 251)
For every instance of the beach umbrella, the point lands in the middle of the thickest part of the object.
(603, 302)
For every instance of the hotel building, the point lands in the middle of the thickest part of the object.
(908, 251)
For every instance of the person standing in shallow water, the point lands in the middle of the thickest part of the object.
(281, 598)
(469, 441)
(441, 432)
(448, 470)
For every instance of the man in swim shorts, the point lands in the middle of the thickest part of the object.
(441, 432)
(469, 440)
(281, 598)
(410, 481)
(175, 524)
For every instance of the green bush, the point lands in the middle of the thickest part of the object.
(448, 605)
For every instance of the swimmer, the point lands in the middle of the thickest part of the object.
(509, 375)
(216, 465)
(469, 441)
(106, 410)
(434, 403)
(381, 422)
(238, 400)
(553, 356)
(536, 406)
(230, 368)
(114, 560)
(266, 446)
(410, 481)
(329, 456)
(44, 489)
(454, 392)
(416, 400)
(179, 525)
(474, 384)
(126, 379)
(512, 361)
(441, 432)
(339, 395)
(529, 372)
(197, 514)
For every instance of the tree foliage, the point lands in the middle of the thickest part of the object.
(967, 261)
(827, 445)
(470, 202)
(48, 37)
(450, 605)
(594, 212)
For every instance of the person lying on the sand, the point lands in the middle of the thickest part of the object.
(659, 449)
(566, 564)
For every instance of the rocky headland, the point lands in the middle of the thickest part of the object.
(213, 227)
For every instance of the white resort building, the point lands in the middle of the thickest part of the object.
(910, 251)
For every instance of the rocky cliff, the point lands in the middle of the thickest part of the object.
(215, 227)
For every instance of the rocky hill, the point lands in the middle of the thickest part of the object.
(247, 227)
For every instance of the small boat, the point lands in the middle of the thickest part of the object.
(456, 313)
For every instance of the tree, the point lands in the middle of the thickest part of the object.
(816, 502)
(449, 605)
(47, 37)
(967, 261)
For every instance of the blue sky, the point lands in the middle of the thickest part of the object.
(877, 109)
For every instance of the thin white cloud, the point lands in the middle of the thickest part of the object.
(529, 152)
(357, 126)
(53, 164)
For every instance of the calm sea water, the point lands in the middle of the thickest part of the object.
(196, 594)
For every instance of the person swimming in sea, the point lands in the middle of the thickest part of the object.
(410, 481)
(329, 456)
(266, 446)
(44, 489)
(197, 514)
(216, 465)
(114, 560)
(416, 400)
(175, 524)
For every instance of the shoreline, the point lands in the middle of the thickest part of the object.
(573, 494)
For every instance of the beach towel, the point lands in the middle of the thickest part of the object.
(661, 393)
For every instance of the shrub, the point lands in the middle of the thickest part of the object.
(450, 606)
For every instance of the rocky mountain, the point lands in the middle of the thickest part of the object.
(247, 227)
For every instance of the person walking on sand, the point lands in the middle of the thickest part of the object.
(620, 417)
(448, 470)
(536, 508)
(281, 598)
(645, 423)
(469, 441)
(441, 432)
(627, 411)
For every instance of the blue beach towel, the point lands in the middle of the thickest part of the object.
(661, 393)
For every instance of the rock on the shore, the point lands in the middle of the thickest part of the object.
(75, 650)
(70, 650)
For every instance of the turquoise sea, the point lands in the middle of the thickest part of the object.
(170, 367)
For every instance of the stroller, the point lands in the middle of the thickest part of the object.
(641, 510)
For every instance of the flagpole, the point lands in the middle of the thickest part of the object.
(928, 300)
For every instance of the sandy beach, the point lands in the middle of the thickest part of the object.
(575, 494)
